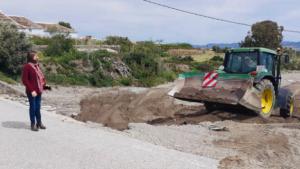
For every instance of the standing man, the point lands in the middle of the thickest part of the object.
(35, 83)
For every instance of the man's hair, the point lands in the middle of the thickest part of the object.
(30, 55)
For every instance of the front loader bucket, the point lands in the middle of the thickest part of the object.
(230, 89)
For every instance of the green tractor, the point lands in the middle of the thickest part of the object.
(249, 77)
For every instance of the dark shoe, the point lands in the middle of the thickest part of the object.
(41, 126)
(34, 128)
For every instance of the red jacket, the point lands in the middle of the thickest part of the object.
(30, 79)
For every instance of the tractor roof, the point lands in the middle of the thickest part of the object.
(253, 49)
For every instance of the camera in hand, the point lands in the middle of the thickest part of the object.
(47, 87)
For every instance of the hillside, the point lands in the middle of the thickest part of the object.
(289, 44)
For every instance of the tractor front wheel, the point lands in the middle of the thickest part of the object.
(267, 98)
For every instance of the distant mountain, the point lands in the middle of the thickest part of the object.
(221, 45)
(294, 45)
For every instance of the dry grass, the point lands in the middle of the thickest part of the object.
(199, 55)
(206, 56)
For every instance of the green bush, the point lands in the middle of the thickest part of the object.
(100, 80)
(59, 44)
(13, 48)
(217, 59)
(37, 40)
(126, 81)
(144, 60)
(6, 78)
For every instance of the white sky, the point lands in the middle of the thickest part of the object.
(139, 20)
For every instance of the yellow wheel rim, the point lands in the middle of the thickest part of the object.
(267, 101)
(292, 107)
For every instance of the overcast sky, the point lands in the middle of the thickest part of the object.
(139, 20)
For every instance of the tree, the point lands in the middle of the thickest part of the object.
(216, 48)
(59, 44)
(65, 24)
(264, 34)
(13, 48)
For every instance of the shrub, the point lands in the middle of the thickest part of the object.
(59, 44)
(217, 59)
(13, 48)
(126, 81)
(6, 79)
(99, 79)
(37, 40)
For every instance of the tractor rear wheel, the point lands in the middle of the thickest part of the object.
(288, 112)
(267, 97)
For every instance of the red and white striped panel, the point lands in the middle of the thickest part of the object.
(210, 79)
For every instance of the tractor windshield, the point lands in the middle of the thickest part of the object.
(241, 62)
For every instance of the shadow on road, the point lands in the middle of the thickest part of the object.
(15, 125)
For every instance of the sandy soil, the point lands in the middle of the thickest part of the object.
(242, 145)
(117, 107)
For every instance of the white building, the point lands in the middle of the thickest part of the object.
(37, 29)
(54, 29)
(6, 19)
(31, 28)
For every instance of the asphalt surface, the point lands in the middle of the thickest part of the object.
(67, 144)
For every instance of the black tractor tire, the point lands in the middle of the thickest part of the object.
(268, 97)
(288, 111)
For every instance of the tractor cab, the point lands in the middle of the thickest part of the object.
(247, 60)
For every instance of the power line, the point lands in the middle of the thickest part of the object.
(291, 31)
(209, 17)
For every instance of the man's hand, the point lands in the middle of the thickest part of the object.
(33, 94)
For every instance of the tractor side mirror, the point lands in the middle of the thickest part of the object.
(286, 58)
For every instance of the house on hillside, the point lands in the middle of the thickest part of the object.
(54, 29)
(30, 28)
(7, 19)
(36, 29)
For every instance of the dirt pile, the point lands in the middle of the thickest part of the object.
(116, 108)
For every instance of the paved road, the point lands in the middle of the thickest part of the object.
(67, 144)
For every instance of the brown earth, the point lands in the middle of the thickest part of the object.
(116, 108)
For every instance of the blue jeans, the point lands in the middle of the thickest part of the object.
(35, 108)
